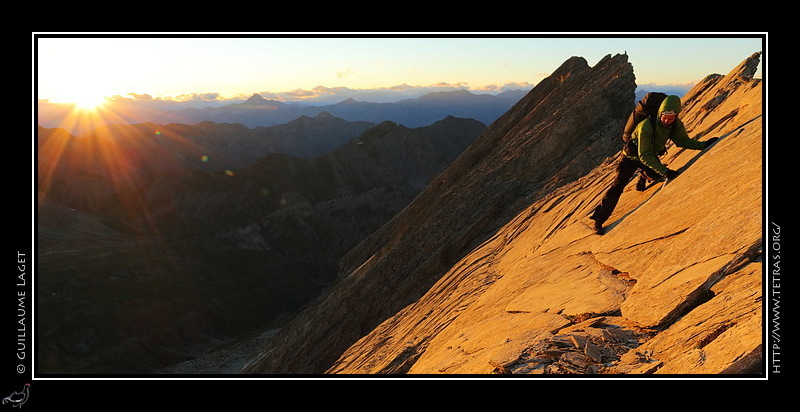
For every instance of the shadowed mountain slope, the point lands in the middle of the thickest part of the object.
(146, 258)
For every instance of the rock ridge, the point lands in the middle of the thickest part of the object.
(491, 271)
(516, 160)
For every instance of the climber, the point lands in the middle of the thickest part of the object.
(650, 139)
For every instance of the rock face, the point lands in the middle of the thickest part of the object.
(490, 269)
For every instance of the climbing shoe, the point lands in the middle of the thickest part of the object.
(641, 184)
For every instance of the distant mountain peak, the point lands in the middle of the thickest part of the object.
(447, 94)
(257, 100)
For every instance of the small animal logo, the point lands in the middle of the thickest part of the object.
(18, 398)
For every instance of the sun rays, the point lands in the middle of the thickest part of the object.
(90, 102)
(111, 164)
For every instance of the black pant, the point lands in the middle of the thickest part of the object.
(626, 168)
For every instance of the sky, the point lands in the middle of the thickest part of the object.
(68, 67)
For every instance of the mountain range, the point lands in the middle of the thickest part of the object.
(259, 112)
(156, 241)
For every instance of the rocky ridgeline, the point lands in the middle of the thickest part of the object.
(491, 271)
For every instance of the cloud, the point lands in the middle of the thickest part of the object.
(189, 97)
(345, 73)
(494, 88)
(327, 95)
(136, 96)
(297, 94)
(324, 94)
(321, 95)
(200, 96)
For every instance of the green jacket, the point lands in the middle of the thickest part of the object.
(652, 140)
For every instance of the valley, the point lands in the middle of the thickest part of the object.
(158, 242)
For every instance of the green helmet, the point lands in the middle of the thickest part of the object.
(670, 105)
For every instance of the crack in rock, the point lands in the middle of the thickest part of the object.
(667, 236)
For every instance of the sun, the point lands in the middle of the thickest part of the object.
(84, 98)
(86, 110)
(88, 101)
